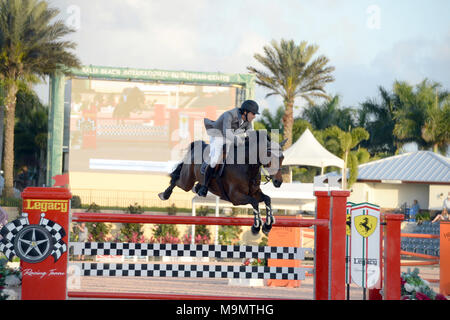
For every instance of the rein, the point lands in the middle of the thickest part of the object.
(267, 176)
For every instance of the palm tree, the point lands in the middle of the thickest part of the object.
(272, 122)
(291, 74)
(31, 47)
(377, 117)
(436, 129)
(341, 143)
(329, 114)
(422, 115)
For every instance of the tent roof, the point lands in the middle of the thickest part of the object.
(309, 152)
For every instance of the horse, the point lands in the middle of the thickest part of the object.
(238, 179)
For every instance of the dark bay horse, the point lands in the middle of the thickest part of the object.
(239, 181)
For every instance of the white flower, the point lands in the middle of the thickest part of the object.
(409, 288)
(426, 282)
(12, 281)
(12, 295)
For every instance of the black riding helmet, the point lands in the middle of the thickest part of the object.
(249, 106)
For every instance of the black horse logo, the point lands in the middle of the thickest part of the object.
(365, 224)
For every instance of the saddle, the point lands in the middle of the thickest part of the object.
(218, 172)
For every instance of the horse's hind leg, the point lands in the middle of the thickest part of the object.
(174, 176)
(270, 219)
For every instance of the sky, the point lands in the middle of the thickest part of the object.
(370, 43)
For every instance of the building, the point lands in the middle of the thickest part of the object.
(398, 180)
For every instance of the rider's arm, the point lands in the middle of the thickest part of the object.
(226, 124)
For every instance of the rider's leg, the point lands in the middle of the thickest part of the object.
(216, 145)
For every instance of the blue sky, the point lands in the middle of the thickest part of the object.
(370, 43)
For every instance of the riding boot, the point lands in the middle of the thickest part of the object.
(203, 191)
(203, 167)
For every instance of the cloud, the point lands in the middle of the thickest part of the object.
(223, 36)
(415, 59)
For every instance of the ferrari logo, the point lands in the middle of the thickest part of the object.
(347, 227)
(365, 225)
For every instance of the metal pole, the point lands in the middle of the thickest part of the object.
(216, 240)
(392, 285)
(193, 226)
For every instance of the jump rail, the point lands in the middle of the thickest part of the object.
(160, 219)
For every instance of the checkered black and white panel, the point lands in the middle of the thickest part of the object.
(190, 271)
(187, 250)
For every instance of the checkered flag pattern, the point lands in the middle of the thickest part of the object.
(187, 250)
(8, 250)
(57, 233)
(8, 232)
(59, 248)
(54, 228)
(191, 271)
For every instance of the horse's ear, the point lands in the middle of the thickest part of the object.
(283, 142)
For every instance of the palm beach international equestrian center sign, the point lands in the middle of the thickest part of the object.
(161, 75)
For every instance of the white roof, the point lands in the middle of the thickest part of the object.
(308, 151)
(419, 166)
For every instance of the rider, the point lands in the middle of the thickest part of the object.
(231, 125)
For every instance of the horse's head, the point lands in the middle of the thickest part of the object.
(276, 157)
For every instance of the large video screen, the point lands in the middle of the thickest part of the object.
(138, 127)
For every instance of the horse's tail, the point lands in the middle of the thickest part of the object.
(175, 174)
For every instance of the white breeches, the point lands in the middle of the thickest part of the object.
(216, 149)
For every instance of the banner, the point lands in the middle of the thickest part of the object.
(365, 244)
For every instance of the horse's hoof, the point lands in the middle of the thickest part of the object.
(266, 229)
(254, 230)
(202, 191)
(162, 195)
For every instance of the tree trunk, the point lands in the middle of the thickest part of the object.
(41, 172)
(2, 129)
(344, 171)
(8, 155)
(288, 122)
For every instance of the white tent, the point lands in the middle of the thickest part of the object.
(308, 151)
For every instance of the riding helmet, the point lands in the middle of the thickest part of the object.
(250, 106)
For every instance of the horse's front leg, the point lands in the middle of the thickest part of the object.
(257, 222)
(270, 219)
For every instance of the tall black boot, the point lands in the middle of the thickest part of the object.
(204, 188)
